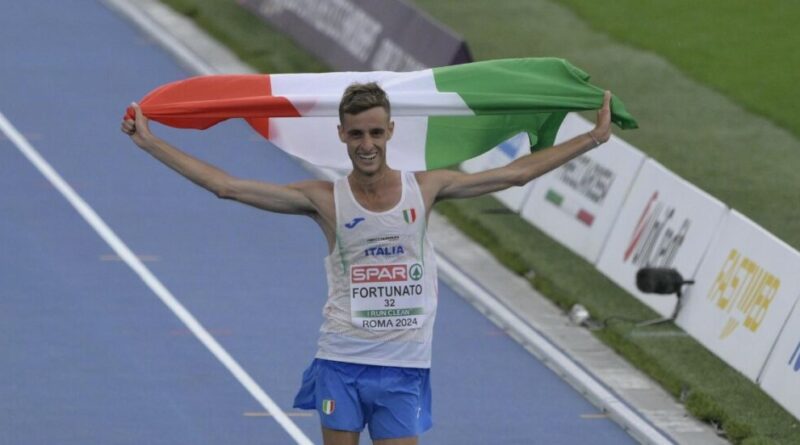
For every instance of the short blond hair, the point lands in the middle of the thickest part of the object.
(360, 97)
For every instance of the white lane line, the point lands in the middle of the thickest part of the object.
(150, 280)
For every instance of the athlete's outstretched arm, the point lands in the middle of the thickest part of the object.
(293, 198)
(446, 184)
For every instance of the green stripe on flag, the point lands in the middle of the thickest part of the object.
(453, 139)
(510, 96)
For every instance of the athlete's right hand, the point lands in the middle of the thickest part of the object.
(138, 128)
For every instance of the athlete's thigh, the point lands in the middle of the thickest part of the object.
(397, 441)
(336, 437)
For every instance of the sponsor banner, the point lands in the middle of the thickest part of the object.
(781, 378)
(577, 203)
(499, 156)
(364, 35)
(744, 291)
(664, 222)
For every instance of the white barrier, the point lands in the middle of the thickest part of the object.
(665, 222)
(744, 291)
(499, 156)
(781, 376)
(577, 203)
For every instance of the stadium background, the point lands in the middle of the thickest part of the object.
(712, 88)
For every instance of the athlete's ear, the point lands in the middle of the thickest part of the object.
(340, 129)
(390, 130)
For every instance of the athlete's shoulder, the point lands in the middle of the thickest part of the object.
(434, 180)
(434, 175)
(319, 192)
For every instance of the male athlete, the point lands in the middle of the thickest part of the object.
(374, 351)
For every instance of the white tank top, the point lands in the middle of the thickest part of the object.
(382, 284)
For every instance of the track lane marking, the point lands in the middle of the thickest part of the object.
(122, 250)
(142, 258)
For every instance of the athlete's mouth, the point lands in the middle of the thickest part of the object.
(368, 157)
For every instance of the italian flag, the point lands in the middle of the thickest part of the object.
(442, 116)
(328, 406)
(570, 208)
(409, 215)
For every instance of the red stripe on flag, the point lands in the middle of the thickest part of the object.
(261, 124)
(204, 101)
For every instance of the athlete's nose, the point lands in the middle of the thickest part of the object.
(368, 142)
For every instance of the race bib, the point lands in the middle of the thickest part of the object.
(387, 296)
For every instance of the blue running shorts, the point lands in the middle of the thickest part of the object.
(394, 402)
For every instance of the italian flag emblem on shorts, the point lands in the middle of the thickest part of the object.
(328, 406)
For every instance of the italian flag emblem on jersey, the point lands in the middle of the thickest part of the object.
(328, 406)
(410, 215)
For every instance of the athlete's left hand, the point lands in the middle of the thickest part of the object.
(602, 129)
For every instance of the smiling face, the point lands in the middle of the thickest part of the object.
(366, 135)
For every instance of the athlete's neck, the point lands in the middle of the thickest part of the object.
(373, 183)
(377, 192)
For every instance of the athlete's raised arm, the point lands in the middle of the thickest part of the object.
(298, 198)
(445, 184)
